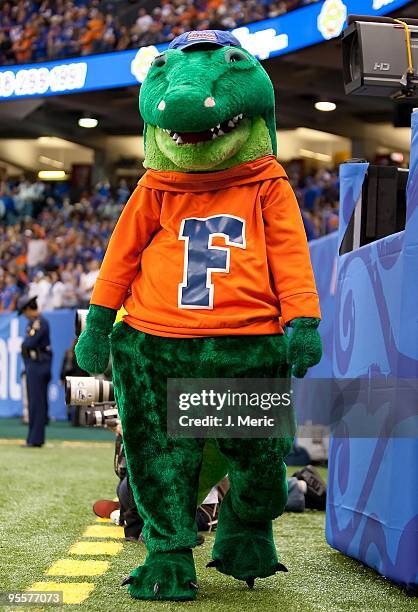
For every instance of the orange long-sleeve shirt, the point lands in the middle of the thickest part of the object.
(210, 254)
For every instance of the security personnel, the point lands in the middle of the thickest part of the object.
(37, 357)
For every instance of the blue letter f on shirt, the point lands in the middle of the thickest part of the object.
(201, 258)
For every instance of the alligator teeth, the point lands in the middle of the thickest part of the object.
(219, 130)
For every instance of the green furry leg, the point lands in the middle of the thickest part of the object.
(244, 546)
(244, 550)
(164, 576)
(164, 472)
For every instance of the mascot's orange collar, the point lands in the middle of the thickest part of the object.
(261, 169)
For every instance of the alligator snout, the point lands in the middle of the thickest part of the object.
(208, 102)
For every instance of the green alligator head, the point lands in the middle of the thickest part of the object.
(206, 110)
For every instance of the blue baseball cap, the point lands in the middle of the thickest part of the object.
(217, 38)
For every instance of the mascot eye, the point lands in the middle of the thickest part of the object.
(235, 55)
(159, 61)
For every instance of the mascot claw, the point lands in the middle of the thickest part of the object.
(281, 568)
(164, 576)
(128, 580)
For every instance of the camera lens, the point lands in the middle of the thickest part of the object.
(355, 58)
(108, 391)
(87, 390)
(80, 321)
(81, 390)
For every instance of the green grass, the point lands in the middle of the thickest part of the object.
(57, 430)
(46, 504)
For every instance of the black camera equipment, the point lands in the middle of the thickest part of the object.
(381, 208)
(102, 416)
(380, 56)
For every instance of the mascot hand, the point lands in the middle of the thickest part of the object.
(93, 346)
(305, 346)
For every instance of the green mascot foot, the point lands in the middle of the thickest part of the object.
(245, 551)
(164, 576)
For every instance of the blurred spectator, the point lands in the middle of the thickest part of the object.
(58, 291)
(41, 287)
(87, 280)
(312, 193)
(36, 30)
(123, 192)
(37, 249)
(318, 197)
(9, 293)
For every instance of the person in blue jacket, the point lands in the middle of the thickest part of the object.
(37, 357)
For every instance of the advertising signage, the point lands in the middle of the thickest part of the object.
(300, 28)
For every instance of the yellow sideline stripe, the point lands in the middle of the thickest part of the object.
(73, 592)
(78, 592)
(104, 531)
(95, 548)
(73, 567)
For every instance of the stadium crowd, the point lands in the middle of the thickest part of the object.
(51, 245)
(38, 30)
(318, 197)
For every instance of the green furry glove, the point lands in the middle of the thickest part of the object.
(93, 346)
(305, 346)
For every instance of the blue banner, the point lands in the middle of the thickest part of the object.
(372, 508)
(324, 262)
(321, 21)
(12, 329)
(413, 168)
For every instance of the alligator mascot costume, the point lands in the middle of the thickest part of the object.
(210, 260)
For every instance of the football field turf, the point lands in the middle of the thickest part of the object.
(50, 539)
